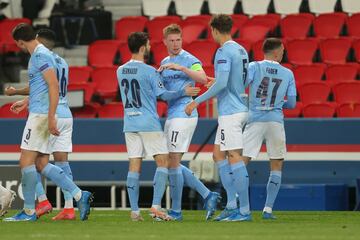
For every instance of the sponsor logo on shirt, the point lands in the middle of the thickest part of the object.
(221, 61)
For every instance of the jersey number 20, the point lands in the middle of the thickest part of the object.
(134, 87)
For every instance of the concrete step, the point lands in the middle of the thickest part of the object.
(121, 2)
(79, 51)
(73, 61)
(9, 99)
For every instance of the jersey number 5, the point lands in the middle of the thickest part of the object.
(134, 87)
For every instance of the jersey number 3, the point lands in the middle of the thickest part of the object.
(134, 87)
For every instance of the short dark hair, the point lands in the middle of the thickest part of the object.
(136, 40)
(47, 34)
(270, 44)
(23, 31)
(222, 22)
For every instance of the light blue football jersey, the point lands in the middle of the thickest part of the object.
(41, 59)
(175, 80)
(62, 73)
(140, 85)
(231, 62)
(269, 83)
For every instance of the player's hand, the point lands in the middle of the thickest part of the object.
(211, 81)
(170, 66)
(10, 91)
(191, 91)
(190, 108)
(19, 106)
(52, 125)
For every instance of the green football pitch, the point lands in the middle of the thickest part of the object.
(116, 225)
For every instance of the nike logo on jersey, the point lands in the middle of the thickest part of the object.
(26, 142)
(131, 187)
(173, 145)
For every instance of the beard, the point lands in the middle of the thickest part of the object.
(146, 55)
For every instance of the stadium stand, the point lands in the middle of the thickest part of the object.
(350, 6)
(155, 8)
(126, 25)
(329, 25)
(335, 51)
(322, 6)
(285, 7)
(224, 6)
(348, 110)
(309, 73)
(187, 8)
(318, 110)
(301, 51)
(255, 7)
(316, 92)
(102, 53)
(296, 26)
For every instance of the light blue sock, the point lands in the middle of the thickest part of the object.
(241, 183)
(176, 182)
(58, 176)
(65, 166)
(272, 188)
(160, 178)
(227, 181)
(28, 183)
(132, 184)
(40, 192)
(193, 182)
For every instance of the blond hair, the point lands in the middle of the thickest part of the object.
(171, 29)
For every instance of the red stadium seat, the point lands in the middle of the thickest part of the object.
(238, 20)
(155, 26)
(88, 89)
(253, 32)
(127, 25)
(348, 110)
(245, 43)
(317, 92)
(7, 43)
(295, 26)
(102, 53)
(257, 52)
(79, 75)
(347, 92)
(318, 110)
(197, 19)
(205, 109)
(301, 51)
(356, 47)
(192, 32)
(111, 110)
(125, 54)
(353, 24)
(159, 52)
(88, 111)
(293, 113)
(341, 73)
(203, 50)
(335, 51)
(106, 83)
(308, 73)
(161, 108)
(6, 113)
(268, 20)
(329, 25)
